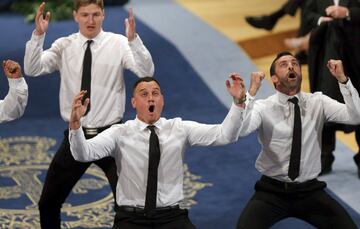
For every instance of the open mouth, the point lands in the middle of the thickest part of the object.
(151, 108)
(292, 75)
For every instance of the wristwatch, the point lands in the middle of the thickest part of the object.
(239, 101)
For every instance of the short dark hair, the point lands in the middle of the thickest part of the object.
(278, 56)
(80, 3)
(144, 79)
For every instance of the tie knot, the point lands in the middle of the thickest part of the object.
(151, 128)
(294, 100)
(89, 43)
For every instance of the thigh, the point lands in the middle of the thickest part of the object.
(262, 211)
(108, 165)
(63, 173)
(126, 220)
(175, 219)
(322, 211)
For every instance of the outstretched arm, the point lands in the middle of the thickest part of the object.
(230, 129)
(14, 104)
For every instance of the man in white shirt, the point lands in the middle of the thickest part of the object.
(129, 143)
(289, 185)
(13, 105)
(91, 60)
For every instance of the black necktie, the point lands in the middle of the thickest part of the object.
(154, 159)
(295, 156)
(86, 74)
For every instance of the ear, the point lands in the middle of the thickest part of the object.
(74, 15)
(133, 102)
(274, 79)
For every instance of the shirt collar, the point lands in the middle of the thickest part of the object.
(142, 125)
(283, 98)
(96, 40)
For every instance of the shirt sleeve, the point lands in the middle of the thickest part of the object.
(224, 133)
(138, 59)
(348, 113)
(102, 145)
(13, 106)
(36, 60)
(252, 117)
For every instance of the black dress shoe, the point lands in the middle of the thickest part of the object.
(261, 22)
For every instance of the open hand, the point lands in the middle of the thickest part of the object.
(41, 23)
(78, 109)
(130, 26)
(237, 88)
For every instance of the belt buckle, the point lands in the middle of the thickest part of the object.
(91, 131)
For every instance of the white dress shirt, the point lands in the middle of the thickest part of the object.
(13, 106)
(128, 143)
(111, 53)
(274, 119)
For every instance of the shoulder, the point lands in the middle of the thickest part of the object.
(114, 36)
(64, 42)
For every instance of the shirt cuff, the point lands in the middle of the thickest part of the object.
(76, 132)
(38, 38)
(346, 88)
(17, 82)
(237, 107)
(136, 43)
(319, 21)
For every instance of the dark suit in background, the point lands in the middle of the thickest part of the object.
(337, 39)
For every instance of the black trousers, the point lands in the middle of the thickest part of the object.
(62, 175)
(291, 6)
(274, 200)
(163, 219)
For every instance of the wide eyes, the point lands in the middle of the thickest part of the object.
(284, 64)
(153, 93)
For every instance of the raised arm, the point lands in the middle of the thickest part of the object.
(14, 104)
(252, 118)
(36, 60)
(101, 146)
(137, 58)
(338, 112)
(228, 130)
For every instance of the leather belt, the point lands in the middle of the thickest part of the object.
(95, 131)
(287, 185)
(141, 210)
